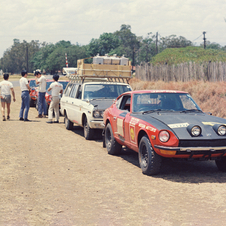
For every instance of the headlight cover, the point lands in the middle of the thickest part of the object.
(98, 114)
(194, 130)
(220, 129)
(164, 136)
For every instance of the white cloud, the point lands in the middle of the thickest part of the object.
(80, 21)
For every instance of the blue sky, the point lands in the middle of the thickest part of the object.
(80, 21)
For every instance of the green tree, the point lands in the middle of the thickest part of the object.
(19, 56)
(106, 43)
(129, 43)
(173, 41)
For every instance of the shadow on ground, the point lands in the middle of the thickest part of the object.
(182, 171)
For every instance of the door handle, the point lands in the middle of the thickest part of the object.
(114, 117)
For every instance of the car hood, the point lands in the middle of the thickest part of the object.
(101, 104)
(178, 123)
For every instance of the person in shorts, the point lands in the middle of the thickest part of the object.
(56, 88)
(6, 86)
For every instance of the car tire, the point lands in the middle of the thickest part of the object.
(68, 123)
(150, 161)
(221, 164)
(32, 103)
(88, 132)
(113, 147)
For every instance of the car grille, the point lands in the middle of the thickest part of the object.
(202, 143)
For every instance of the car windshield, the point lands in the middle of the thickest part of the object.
(149, 102)
(107, 91)
(32, 83)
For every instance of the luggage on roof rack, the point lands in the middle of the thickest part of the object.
(112, 68)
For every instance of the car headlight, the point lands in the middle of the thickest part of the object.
(98, 114)
(194, 130)
(220, 129)
(164, 136)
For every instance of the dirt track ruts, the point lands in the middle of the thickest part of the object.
(52, 176)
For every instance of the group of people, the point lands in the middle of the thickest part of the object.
(55, 87)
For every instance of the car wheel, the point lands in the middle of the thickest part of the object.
(88, 132)
(113, 147)
(32, 103)
(68, 123)
(150, 161)
(221, 164)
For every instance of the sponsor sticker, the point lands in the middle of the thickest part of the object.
(141, 125)
(178, 125)
(211, 123)
(134, 121)
(151, 128)
(132, 133)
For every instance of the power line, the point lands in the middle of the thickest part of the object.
(197, 38)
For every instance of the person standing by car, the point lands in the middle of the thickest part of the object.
(41, 80)
(56, 88)
(25, 104)
(6, 86)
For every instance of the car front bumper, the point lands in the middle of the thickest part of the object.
(96, 124)
(190, 149)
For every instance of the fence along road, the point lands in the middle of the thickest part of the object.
(209, 71)
(52, 176)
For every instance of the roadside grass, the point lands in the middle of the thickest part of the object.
(210, 96)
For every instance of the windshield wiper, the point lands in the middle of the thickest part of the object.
(191, 110)
(150, 111)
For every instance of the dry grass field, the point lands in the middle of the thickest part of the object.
(210, 96)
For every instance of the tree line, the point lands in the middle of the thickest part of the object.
(51, 57)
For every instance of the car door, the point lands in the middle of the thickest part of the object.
(78, 105)
(65, 97)
(72, 103)
(119, 115)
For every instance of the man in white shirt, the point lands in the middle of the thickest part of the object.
(6, 86)
(41, 80)
(25, 104)
(56, 88)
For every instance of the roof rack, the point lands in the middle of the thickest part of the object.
(111, 71)
(83, 78)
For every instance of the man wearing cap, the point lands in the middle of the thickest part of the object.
(41, 80)
(56, 88)
(25, 104)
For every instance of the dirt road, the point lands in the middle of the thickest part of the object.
(51, 176)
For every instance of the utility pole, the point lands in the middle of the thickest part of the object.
(204, 38)
(156, 44)
(27, 55)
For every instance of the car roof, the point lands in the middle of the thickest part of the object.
(154, 91)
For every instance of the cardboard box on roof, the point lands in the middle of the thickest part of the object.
(112, 69)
